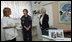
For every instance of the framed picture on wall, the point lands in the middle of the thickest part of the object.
(55, 34)
(64, 12)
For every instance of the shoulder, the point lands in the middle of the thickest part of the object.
(4, 19)
(22, 16)
(29, 16)
(46, 15)
(40, 16)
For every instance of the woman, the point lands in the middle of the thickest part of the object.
(44, 19)
(27, 26)
(8, 25)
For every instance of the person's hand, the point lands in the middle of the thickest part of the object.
(27, 29)
(41, 27)
(14, 26)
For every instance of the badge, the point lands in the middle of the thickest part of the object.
(22, 18)
(23, 22)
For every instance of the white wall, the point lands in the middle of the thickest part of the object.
(16, 8)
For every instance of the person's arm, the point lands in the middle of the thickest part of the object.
(40, 25)
(30, 23)
(5, 25)
(47, 20)
(30, 26)
(9, 27)
(39, 21)
(25, 27)
(22, 22)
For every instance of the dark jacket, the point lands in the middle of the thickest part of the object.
(45, 21)
(26, 21)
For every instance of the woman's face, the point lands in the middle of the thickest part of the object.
(9, 12)
(42, 12)
(25, 12)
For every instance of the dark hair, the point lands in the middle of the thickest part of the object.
(6, 10)
(25, 10)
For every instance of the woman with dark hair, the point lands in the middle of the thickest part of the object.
(8, 25)
(26, 23)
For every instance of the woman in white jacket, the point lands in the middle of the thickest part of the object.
(8, 26)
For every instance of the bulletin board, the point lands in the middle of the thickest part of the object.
(64, 12)
(56, 24)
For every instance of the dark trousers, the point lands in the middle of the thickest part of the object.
(27, 35)
(12, 39)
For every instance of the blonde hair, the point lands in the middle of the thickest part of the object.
(43, 9)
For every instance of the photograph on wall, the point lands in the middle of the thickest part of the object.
(64, 12)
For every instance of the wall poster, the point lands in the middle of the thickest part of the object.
(64, 12)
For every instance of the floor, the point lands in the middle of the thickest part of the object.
(34, 38)
(20, 37)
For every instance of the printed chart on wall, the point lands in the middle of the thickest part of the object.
(64, 12)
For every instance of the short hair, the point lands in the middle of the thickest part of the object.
(43, 9)
(6, 10)
(25, 10)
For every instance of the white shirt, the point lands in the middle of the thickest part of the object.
(41, 19)
(9, 33)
